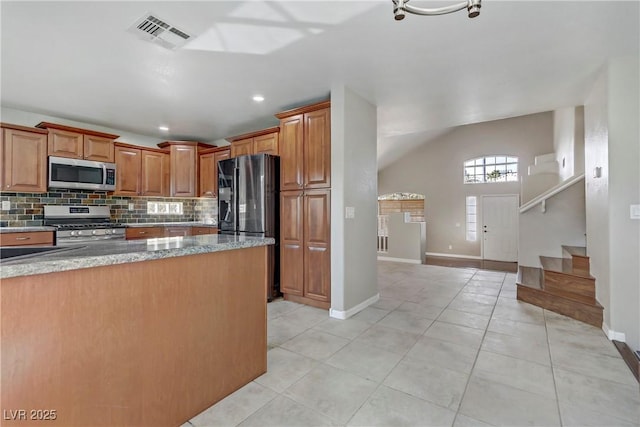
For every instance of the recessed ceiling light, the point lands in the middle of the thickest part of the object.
(258, 98)
(163, 128)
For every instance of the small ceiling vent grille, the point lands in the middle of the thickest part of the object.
(155, 30)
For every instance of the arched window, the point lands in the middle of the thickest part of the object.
(488, 169)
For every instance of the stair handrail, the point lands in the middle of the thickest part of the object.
(542, 198)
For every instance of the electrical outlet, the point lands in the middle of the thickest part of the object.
(450, 247)
(634, 211)
(6, 205)
(131, 206)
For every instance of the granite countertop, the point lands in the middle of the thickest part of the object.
(125, 251)
(25, 229)
(168, 224)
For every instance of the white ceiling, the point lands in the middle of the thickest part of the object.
(426, 74)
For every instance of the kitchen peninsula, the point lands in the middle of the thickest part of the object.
(142, 332)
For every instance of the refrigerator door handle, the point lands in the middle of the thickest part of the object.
(234, 197)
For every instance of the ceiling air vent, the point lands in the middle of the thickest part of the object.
(155, 30)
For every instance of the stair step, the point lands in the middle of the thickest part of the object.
(575, 250)
(571, 289)
(530, 277)
(578, 257)
(563, 266)
(530, 290)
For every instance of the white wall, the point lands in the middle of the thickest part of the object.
(624, 190)
(354, 281)
(568, 141)
(436, 170)
(406, 239)
(612, 136)
(26, 118)
(544, 233)
(563, 140)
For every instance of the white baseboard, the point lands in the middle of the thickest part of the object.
(453, 255)
(345, 314)
(613, 335)
(410, 261)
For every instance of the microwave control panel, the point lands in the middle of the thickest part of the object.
(111, 177)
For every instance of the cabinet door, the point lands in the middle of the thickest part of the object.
(317, 149)
(242, 147)
(98, 148)
(291, 154)
(208, 175)
(24, 161)
(63, 143)
(153, 173)
(291, 243)
(317, 238)
(127, 171)
(184, 170)
(267, 144)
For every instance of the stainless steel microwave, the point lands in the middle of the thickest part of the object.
(81, 174)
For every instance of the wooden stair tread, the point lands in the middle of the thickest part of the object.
(588, 313)
(531, 277)
(562, 265)
(580, 251)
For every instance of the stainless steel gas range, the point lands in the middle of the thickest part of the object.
(82, 224)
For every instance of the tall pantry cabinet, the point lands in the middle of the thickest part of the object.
(305, 204)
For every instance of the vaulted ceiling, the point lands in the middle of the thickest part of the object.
(78, 60)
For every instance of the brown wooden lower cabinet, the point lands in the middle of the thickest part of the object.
(29, 238)
(150, 343)
(305, 249)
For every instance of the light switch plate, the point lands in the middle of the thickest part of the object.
(349, 212)
(634, 212)
(6, 205)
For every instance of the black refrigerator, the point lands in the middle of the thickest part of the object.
(248, 204)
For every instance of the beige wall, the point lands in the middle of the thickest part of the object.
(613, 238)
(436, 170)
(354, 281)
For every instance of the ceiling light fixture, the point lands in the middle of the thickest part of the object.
(258, 98)
(164, 128)
(400, 7)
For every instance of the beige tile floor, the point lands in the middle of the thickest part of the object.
(442, 347)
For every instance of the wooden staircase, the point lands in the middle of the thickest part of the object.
(562, 285)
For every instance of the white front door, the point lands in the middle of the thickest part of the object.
(500, 228)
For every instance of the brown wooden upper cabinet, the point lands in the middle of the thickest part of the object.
(183, 159)
(23, 158)
(76, 143)
(262, 141)
(141, 171)
(305, 147)
(209, 170)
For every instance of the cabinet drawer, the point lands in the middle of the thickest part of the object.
(177, 231)
(144, 232)
(196, 231)
(34, 238)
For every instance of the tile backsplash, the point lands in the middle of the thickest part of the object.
(27, 208)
